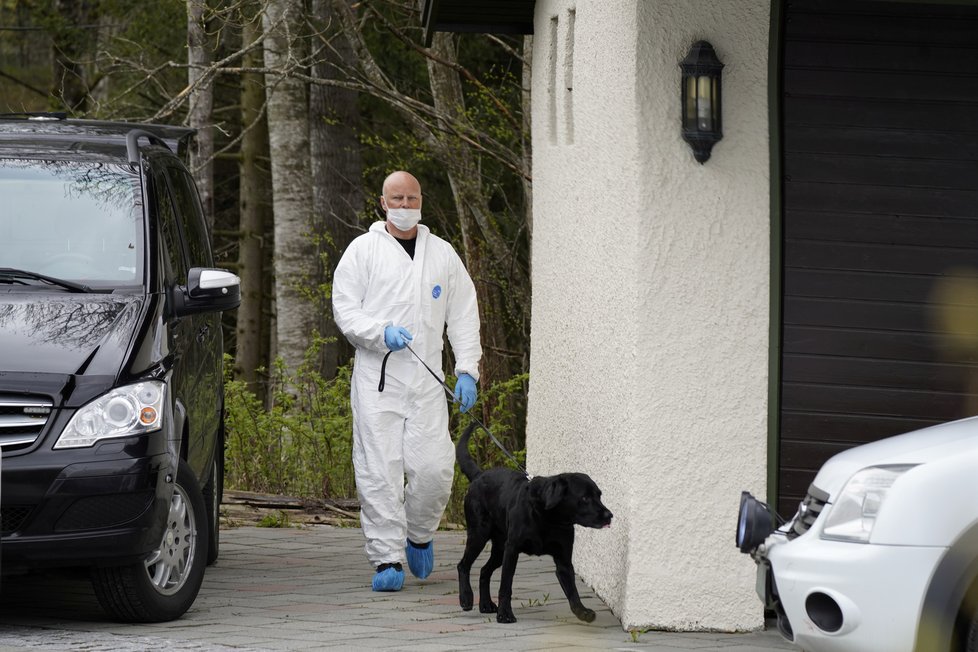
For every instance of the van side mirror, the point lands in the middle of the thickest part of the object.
(207, 290)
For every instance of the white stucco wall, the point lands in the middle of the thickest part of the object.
(649, 353)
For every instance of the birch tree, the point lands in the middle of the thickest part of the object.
(200, 79)
(288, 135)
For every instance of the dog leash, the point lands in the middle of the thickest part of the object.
(451, 395)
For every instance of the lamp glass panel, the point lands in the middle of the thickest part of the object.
(704, 104)
(689, 110)
(716, 102)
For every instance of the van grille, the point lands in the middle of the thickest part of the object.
(93, 512)
(808, 512)
(22, 419)
(12, 517)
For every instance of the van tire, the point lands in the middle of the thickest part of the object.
(213, 494)
(146, 592)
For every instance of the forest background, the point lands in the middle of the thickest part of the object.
(302, 108)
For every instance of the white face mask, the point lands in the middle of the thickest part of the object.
(404, 219)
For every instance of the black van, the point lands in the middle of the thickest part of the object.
(111, 393)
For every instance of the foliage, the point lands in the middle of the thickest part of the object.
(279, 519)
(302, 444)
(298, 446)
(120, 52)
(388, 145)
(135, 64)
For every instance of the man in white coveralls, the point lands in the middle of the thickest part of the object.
(396, 286)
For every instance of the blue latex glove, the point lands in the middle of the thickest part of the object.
(465, 392)
(396, 337)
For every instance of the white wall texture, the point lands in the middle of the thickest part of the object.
(651, 290)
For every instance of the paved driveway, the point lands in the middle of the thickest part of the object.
(308, 589)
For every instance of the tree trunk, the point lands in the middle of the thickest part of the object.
(201, 102)
(337, 169)
(253, 207)
(69, 44)
(527, 143)
(526, 101)
(288, 129)
(100, 89)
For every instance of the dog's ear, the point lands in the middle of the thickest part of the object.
(548, 491)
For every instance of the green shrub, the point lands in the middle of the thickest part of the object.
(301, 444)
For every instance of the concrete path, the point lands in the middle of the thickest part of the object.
(309, 589)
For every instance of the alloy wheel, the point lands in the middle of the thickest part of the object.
(167, 566)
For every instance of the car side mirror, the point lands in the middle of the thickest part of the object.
(207, 290)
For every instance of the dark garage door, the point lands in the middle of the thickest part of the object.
(880, 196)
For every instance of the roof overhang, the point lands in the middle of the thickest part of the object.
(478, 16)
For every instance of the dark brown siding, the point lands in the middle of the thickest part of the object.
(880, 218)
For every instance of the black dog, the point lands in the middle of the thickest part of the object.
(536, 517)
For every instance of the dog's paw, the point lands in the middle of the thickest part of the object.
(488, 607)
(505, 617)
(465, 601)
(584, 614)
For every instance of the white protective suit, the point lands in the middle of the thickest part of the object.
(402, 432)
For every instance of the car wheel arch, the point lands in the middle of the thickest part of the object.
(951, 599)
(180, 431)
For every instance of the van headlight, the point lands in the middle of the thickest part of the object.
(854, 513)
(123, 412)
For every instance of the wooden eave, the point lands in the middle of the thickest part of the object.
(478, 16)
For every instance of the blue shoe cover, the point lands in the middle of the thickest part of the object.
(389, 577)
(421, 558)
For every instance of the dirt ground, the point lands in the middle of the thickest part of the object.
(249, 508)
(265, 510)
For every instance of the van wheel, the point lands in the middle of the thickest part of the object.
(164, 585)
(213, 493)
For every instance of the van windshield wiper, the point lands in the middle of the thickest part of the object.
(11, 275)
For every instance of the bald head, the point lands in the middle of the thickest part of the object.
(402, 191)
(402, 186)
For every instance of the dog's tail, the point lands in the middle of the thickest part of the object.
(465, 461)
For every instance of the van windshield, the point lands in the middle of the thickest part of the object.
(78, 221)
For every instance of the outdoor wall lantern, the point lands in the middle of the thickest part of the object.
(702, 126)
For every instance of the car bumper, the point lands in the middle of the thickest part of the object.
(834, 596)
(105, 505)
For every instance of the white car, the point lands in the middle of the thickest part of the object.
(883, 552)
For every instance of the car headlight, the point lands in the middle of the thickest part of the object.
(853, 514)
(123, 412)
(755, 522)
